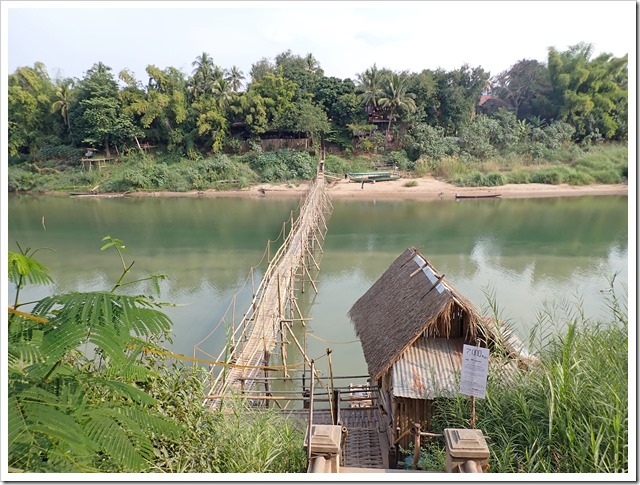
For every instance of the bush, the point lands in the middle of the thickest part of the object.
(21, 180)
(478, 179)
(411, 183)
(551, 176)
(400, 159)
(494, 179)
(476, 139)
(518, 177)
(283, 165)
(425, 141)
(233, 145)
(63, 153)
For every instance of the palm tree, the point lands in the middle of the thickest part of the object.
(312, 63)
(369, 86)
(202, 64)
(221, 90)
(397, 98)
(63, 100)
(235, 78)
(204, 73)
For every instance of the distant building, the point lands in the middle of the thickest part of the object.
(489, 104)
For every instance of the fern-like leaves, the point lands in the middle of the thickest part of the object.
(28, 270)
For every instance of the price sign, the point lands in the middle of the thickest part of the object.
(475, 369)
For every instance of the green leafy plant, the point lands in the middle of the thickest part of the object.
(76, 368)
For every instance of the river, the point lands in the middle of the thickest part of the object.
(534, 255)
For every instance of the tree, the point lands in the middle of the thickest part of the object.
(95, 118)
(338, 99)
(63, 99)
(204, 75)
(222, 92)
(278, 94)
(423, 86)
(311, 120)
(250, 109)
(260, 68)
(29, 102)
(457, 95)
(235, 78)
(211, 122)
(312, 63)
(370, 88)
(396, 98)
(305, 72)
(164, 110)
(591, 95)
(526, 88)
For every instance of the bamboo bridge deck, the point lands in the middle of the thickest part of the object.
(273, 303)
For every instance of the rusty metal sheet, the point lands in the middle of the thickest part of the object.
(430, 368)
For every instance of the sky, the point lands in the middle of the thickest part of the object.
(345, 37)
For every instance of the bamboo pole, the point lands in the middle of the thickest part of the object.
(415, 430)
(267, 386)
(310, 413)
(283, 348)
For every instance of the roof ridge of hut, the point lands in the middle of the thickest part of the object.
(403, 305)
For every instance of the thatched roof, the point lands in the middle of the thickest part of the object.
(409, 299)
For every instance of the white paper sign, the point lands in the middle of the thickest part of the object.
(475, 369)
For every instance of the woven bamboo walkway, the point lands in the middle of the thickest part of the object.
(366, 445)
(263, 321)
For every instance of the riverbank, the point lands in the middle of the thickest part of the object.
(426, 188)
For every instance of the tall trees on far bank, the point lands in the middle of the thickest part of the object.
(290, 95)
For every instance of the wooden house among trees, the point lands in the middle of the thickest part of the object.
(412, 325)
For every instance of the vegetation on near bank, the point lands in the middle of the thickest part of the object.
(569, 413)
(563, 121)
(84, 394)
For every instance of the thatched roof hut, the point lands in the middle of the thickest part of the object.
(413, 325)
(411, 299)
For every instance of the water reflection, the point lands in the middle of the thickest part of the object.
(527, 252)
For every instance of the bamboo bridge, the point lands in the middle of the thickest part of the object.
(273, 307)
(353, 439)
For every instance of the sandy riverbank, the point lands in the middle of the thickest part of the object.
(426, 188)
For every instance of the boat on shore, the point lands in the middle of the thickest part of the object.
(373, 176)
(477, 196)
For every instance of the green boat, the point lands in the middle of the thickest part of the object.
(372, 176)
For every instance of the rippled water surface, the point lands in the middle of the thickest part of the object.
(531, 254)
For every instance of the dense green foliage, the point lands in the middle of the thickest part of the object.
(214, 109)
(86, 395)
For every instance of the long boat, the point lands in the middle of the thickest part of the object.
(372, 176)
(478, 196)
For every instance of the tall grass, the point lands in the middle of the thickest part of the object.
(606, 164)
(566, 414)
(236, 440)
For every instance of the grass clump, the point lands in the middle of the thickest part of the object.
(411, 183)
(234, 439)
(568, 413)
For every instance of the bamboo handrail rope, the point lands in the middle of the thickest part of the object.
(246, 283)
(332, 341)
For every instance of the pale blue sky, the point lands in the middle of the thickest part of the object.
(345, 37)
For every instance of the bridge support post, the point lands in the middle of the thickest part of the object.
(466, 451)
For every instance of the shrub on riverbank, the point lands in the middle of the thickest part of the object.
(606, 164)
(601, 164)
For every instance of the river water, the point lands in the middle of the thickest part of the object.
(533, 255)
